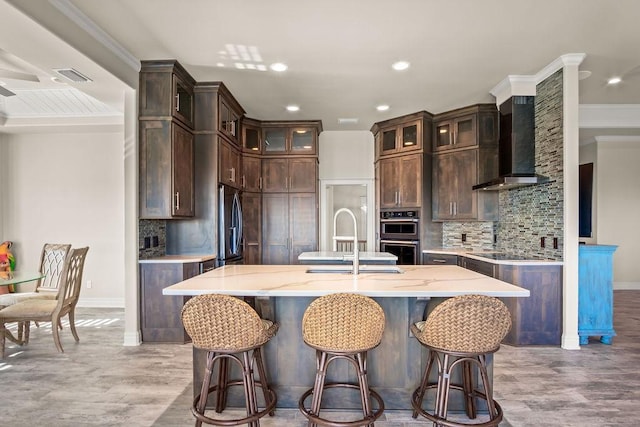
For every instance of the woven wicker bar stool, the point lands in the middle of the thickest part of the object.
(342, 326)
(461, 332)
(230, 331)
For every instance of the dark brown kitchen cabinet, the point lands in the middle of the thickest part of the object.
(401, 181)
(251, 136)
(439, 259)
(160, 314)
(229, 167)
(252, 227)
(166, 170)
(166, 91)
(456, 170)
(289, 174)
(472, 126)
(251, 173)
(455, 133)
(289, 226)
(229, 119)
(401, 138)
(290, 138)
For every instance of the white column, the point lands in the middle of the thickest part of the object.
(571, 161)
(132, 335)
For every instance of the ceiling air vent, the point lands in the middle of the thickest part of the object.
(73, 75)
(348, 121)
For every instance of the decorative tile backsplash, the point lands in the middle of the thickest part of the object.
(528, 213)
(150, 228)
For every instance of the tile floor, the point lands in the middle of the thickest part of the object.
(100, 382)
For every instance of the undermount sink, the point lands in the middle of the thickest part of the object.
(347, 269)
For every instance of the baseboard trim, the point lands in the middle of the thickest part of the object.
(634, 286)
(132, 339)
(101, 302)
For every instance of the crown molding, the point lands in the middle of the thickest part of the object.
(609, 116)
(526, 85)
(68, 9)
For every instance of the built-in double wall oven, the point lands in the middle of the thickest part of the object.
(400, 235)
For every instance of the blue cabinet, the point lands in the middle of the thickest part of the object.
(595, 293)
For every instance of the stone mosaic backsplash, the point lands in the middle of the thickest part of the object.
(150, 228)
(476, 235)
(527, 214)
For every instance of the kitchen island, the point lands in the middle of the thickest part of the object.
(283, 292)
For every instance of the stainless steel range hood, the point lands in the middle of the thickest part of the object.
(516, 150)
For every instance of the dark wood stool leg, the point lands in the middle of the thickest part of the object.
(468, 389)
(262, 373)
(204, 391)
(361, 360)
(444, 380)
(318, 386)
(423, 385)
(493, 412)
(223, 379)
(249, 388)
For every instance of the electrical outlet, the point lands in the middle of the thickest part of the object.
(555, 243)
(147, 242)
(89, 284)
(542, 242)
(464, 237)
(154, 241)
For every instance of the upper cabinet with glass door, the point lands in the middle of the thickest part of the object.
(166, 91)
(402, 134)
(465, 127)
(285, 138)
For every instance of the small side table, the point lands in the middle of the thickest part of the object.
(595, 292)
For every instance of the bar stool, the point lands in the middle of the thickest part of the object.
(461, 332)
(230, 331)
(342, 326)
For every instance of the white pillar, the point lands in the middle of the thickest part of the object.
(571, 161)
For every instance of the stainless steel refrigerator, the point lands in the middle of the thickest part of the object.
(229, 226)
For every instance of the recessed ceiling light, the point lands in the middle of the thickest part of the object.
(400, 65)
(348, 121)
(293, 108)
(614, 80)
(383, 107)
(278, 66)
(584, 74)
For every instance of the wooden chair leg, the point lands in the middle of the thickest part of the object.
(468, 389)
(423, 385)
(262, 373)
(3, 332)
(223, 379)
(72, 325)
(56, 334)
(204, 390)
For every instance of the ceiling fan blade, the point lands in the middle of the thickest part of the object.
(6, 92)
(16, 75)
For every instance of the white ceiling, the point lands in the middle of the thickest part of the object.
(339, 52)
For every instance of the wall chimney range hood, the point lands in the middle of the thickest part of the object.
(516, 148)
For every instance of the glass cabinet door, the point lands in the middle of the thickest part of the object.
(389, 140)
(443, 136)
(465, 128)
(410, 136)
(303, 141)
(251, 139)
(275, 140)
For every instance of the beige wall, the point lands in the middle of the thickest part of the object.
(588, 155)
(346, 155)
(67, 188)
(617, 177)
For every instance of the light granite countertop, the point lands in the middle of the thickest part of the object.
(477, 255)
(184, 259)
(340, 256)
(293, 280)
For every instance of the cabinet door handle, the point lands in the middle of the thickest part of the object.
(441, 261)
(455, 208)
(177, 200)
(177, 102)
(453, 137)
(232, 175)
(243, 181)
(450, 208)
(260, 183)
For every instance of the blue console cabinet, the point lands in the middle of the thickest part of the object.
(595, 293)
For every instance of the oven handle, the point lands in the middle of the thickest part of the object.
(399, 220)
(401, 242)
